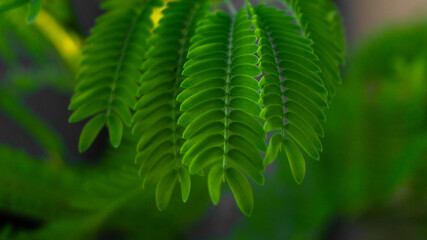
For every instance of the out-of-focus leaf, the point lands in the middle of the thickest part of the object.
(30, 187)
(6, 5)
(42, 134)
(35, 7)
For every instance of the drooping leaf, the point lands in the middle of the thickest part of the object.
(215, 178)
(115, 127)
(157, 110)
(273, 150)
(296, 160)
(185, 182)
(165, 188)
(325, 31)
(220, 97)
(293, 92)
(241, 189)
(91, 130)
(109, 69)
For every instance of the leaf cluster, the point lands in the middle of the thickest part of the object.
(201, 89)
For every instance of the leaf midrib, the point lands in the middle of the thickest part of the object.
(227, 90)
(182, 55)
(270, 38)
(121, 59)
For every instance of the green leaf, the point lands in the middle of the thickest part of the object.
(185, 181)
(207, 49)
(207, 143)
(246, 164)
(88, 110)
(326, 35)
(158, 112)
(246, 105)
(295, 99)
(35, 7)
(157, 164)
(273, 123)
(7, 5)
(246, 69)
(296, 160)
(241, 189)
(115, 129)
(273, 148)
(205, 158)
(165, 188)
(109, 68)
(201, 121)
(91, 130)
(220, 102)
(303, 141)
(202, 96)
(215, 178)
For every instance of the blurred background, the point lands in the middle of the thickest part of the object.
(370, 183)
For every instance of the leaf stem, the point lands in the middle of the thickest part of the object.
(227, 92)
(230, 7)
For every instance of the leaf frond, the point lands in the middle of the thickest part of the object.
(157, 110)
(109, 69)
(293, 92)
(323, 26)
(220, 105)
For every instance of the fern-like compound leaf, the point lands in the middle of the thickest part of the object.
(322, 24)
(198, 104)
(220, 104)
(109, 69)
(157, 110)
(293, 92)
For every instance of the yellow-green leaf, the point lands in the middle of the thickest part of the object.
(185, 181)
(296, 160)
(165, 188)
(215, 177)
(241, 189)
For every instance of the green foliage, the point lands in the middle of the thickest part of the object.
(218, 103)
(374, 168)
(293, 93)
(322, 24)
(31, 187)
(241, 189)
(157, 111)
(109, 69)
(42, 134)
(198, 103)
(76, 202)
(34, 7)
(7, 5)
